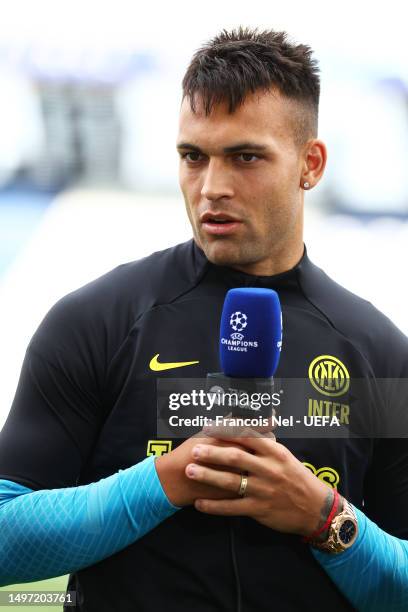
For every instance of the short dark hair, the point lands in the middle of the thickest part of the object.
(242, 61)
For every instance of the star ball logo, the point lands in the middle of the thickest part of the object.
(238, 321)
(329, 375)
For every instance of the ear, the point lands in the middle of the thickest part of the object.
(314, 163)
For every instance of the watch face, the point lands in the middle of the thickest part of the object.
(347, 531)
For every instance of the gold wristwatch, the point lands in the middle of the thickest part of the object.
(343, 531)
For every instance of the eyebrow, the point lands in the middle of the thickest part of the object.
(241, 146)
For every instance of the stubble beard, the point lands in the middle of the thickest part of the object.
(231, 252)
(236, 252)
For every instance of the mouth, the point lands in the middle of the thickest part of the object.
(219, 224)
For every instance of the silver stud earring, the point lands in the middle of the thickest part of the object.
(306, 185)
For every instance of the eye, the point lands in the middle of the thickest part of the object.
(247, 158)
(191, 156)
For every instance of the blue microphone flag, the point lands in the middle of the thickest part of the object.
(251, 333)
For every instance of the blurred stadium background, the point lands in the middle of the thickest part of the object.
(88, 171)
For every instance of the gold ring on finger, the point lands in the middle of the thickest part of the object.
(243, 485)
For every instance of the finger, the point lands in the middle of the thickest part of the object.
(262, 444)
(227, 456)
(203, 434)
(269, 427)
(229, 481)
(230, 427)
(225, 507)
(207, 434)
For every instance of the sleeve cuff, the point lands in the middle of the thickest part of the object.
(159, 492)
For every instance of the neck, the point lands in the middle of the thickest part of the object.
(280, 263)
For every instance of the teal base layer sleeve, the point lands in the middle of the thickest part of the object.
(373, 573)
(49, 533)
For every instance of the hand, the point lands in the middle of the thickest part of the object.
(281, 493)
(171, 469)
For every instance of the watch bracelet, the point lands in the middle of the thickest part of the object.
(331, 545)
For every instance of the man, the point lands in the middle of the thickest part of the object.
(85, 407)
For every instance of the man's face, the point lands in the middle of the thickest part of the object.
(240, 175)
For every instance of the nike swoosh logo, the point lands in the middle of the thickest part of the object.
(156, 366)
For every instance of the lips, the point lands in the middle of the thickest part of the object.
(219, 224)
(218, 217)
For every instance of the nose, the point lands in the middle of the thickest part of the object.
(217, 181)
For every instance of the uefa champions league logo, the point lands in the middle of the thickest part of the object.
(238, 321)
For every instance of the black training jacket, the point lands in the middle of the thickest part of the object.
(85, 407)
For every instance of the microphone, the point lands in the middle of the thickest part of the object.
(250, 347)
